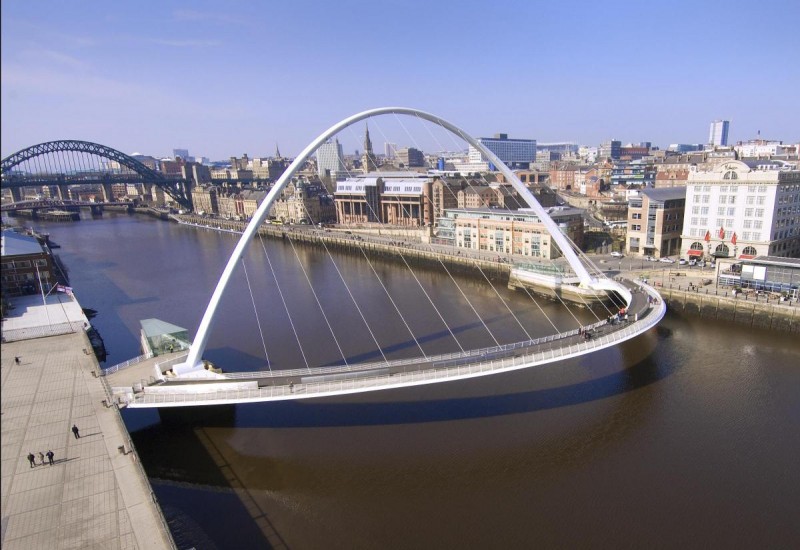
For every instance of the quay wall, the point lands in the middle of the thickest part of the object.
(771, 315)
(764, 315)
(416, 254)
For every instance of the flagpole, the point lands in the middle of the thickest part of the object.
(44, 301)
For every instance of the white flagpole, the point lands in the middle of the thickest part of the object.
(44, 301)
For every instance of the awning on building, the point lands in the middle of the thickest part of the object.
(695, 252)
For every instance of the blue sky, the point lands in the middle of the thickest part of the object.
(225, 78)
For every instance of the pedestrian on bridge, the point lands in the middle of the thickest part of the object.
(50, 455)
(75, 432)
(32, 459)
(41, 458)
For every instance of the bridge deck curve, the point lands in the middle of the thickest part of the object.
(646, 310)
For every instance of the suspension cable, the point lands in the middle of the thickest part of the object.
(285, 307)
(255, 310)
(322, 310)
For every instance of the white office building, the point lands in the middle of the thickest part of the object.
(515, 153)
(718, 132)
(329, 159)
(742, 210)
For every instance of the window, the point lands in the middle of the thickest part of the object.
(721, 211)
(731, 199)
(695, 210)
(751, 200)
(747, 224)
(759, 212)
(748, 212)
(761, 199)
(731, 211)
(704, 210)
(722, 199)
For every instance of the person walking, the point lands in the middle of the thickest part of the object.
(50, 456)
(41, 458)
(16, 360)
(32, 459)
(75, 432)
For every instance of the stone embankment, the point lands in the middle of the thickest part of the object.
(415, 253)
(701, 301)
(772, 315)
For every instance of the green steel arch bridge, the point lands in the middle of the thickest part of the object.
(64, 163)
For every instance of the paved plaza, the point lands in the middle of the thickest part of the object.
(95, 495)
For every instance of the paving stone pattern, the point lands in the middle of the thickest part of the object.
(93, 496)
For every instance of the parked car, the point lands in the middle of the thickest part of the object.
(701, 263)
(667, 260)
(682, 261)
(616, 254)
(693, 261)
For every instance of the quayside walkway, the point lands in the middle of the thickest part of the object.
(96, 494)
(147, 383)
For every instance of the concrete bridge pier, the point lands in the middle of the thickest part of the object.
(108, 195)
(16, 194)
(63, 192)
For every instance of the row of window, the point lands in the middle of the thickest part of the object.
(731, 188)
(24, 264)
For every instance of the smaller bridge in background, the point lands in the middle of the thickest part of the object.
(65, 204)
(66, 163)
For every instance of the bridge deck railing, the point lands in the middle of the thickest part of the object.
(435, 360)
(129, 363)
(655, 311)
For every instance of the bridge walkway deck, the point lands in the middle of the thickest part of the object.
(298, 383)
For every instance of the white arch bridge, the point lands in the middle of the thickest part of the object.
(185, 380)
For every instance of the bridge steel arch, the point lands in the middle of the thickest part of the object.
(148, 174)
(194, 359)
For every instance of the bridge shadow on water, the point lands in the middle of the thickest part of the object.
(186, 477)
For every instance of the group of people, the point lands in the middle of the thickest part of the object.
(50, 454)
(621, 315)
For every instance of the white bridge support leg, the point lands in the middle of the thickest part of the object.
(194, 360)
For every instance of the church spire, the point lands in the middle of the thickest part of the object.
(277, 151)
(367, 142)
(368, 159)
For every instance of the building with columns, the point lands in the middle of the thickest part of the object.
(508, 231)
(742, 209)
(393, 198)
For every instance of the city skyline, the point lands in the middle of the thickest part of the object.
(222, 80)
